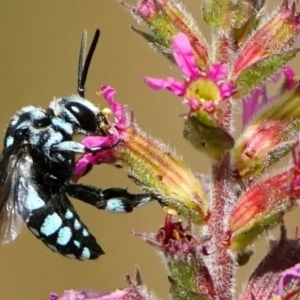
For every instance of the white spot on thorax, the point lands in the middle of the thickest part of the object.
(9, 141)
(33, 200)
(63, 125)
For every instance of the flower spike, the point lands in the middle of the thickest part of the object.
(241, 197)
(166, 18)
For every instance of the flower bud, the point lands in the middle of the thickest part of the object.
(269, 136)
(166, 19)
(262, 206)
(268, 49)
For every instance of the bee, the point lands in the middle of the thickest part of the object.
(36, 167)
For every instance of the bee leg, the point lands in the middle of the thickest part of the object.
(112, 199)
(75, 147)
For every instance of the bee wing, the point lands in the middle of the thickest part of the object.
(10, 219)
(23, 186)
(11, 223)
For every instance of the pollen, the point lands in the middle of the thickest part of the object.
(106, 111)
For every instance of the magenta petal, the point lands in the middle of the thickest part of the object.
(84, 163)
(82, 166)
(156, 83)
(114, 296)
(289, 77)
(100, 141)
(209, 106)
(108, 93)
(217, 71)
(82, 295)
(104, 157)
(226, 89)
(184, 57)
(194, 104)
(254, 102)
(176, 87)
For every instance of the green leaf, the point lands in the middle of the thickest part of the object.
(226, 14)
(244, 239)
(213, 141)
(157, 43)
(257, 73)
(180, 293)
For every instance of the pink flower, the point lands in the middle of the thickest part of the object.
(173, 239)
(88, 295)
(201, 91)
(86, 162)
(118, 127)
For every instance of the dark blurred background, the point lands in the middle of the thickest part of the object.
(38, 61)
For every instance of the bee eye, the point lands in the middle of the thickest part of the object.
(83, 114)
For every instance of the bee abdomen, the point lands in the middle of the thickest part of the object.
(64, 233)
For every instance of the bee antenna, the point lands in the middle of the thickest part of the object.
(84, 64)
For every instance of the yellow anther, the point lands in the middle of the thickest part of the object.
(106, 111)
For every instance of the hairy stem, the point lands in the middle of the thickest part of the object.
(222, 260)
